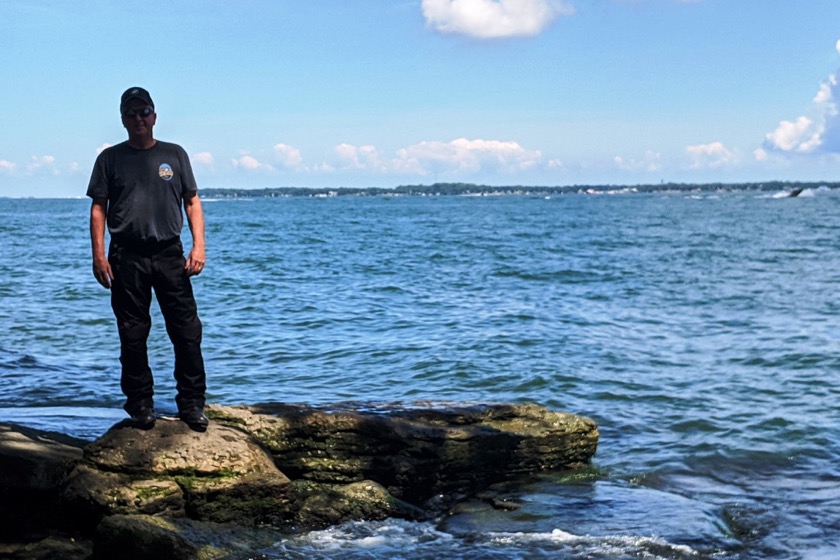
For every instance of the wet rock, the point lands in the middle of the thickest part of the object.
(140, 537)
(135, 537)
(420, 451)
(49, 548)
(264, 468)
(322, 505)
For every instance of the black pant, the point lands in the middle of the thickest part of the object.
(139, 269)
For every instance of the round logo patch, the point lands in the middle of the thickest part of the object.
(165, 172)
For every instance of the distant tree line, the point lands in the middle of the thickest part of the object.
(463, 189)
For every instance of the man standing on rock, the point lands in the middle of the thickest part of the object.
(138, 188)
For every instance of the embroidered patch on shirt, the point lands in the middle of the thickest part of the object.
(165, 172)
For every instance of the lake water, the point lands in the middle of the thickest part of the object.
(700, 330)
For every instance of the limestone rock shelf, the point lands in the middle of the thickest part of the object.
(267, 468)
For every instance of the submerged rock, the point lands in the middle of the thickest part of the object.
(277, 467)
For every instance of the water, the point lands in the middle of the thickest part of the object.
(699, 330)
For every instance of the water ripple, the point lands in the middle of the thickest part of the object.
(701, 334)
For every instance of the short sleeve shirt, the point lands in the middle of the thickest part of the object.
(144, 188)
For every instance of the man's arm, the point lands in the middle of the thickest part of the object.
(195, 218)
(101, 266)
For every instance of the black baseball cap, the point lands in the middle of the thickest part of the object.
(136, 93)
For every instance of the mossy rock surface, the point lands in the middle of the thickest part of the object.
(276, 467)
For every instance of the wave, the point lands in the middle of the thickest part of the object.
(421, 540)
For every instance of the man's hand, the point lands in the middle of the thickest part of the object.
(101, 267)
(102, 272)
(195, 262)
(195, 217)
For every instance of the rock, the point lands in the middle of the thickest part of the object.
(33, 459)
(32, 466)
(218, 475)
(322, 505)
(140, 537)
(416, 452)
(48, 548)
(93, 494)
(134, 537)
(175, 493)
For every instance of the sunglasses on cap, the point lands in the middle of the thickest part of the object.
(144, 112)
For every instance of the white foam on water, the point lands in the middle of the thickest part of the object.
(803, 194)
(389, 534)
(400, 539)
(651, 547)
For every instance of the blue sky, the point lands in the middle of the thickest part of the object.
(345, 93)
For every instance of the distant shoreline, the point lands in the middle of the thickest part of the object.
(469, 189)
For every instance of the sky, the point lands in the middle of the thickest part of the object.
(381, 93)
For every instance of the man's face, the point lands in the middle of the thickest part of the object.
(139, 118)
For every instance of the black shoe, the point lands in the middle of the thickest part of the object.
(195, 419)
(144, 418)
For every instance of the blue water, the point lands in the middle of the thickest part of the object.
(700, 330)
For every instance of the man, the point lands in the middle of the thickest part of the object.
(138, 188)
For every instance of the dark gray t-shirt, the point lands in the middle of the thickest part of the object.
(144, 189)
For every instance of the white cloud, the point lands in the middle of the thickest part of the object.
(711, 155)
(288, 156)
(802, 135)
(490, 19)
(323, 167)
(760, 154)
(250, 163)
(460, 156)
(818, 130)
(360, 157)
(837, 46)
(102, 148)
(466, 156)
(204, 158)
(7, 166)
(826, 91)
(652, 161)
(37, 163)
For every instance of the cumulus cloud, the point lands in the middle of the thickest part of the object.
(711, 155)
(825, 95)
(490, 19)
(360, 157)
(38, 163)
(102, 148)
(463, 156)
(250, 163)
(460, 156)
(287, 156)
(818, 131)
(801, 135)
(652, 161)
(204, 158)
